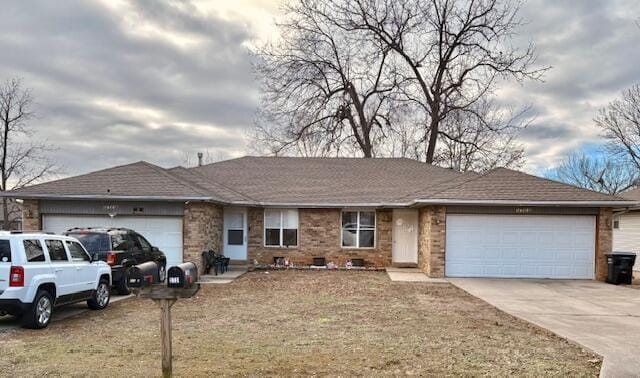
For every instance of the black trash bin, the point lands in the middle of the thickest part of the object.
(620, 266)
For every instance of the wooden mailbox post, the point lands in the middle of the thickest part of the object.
(165, 297)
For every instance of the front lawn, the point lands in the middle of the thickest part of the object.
(301, 323)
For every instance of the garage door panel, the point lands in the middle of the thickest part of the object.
(163, 232)
(520, 246)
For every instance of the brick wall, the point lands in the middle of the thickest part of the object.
(431, 240)
(31, 220)
(604, 241)
(202, 230)
(319, 236)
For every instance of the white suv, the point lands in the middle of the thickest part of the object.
(41, 271)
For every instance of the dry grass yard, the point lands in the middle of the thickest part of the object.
(300, 323)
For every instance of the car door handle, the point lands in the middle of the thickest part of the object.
(57, 270)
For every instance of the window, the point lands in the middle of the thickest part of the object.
(144, 244)
(5, 251)
(93, 242)
(616, 222)
(235, 228)
(358, 229)
(280, 227)
(56, 250)
(119, 242)
(33, 250)
(77, 252)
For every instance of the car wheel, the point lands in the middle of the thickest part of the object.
(39, 315)
(101, 297)
(121, 286)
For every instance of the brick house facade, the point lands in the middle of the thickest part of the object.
(182, 211)
(319, 236)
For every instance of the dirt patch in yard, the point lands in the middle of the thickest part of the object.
(301, 323)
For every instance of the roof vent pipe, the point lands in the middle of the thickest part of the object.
(199, 159)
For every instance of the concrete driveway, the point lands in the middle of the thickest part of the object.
(602, 317)
(9, 322)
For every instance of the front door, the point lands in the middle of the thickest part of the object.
(235, 233)
(405, 236)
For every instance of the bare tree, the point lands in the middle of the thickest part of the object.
(22, 161)
(599, 173)
(453, 52)
(325, 90)
(620, 123)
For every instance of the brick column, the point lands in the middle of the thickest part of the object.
(202, 230)
(431, 240)
(604, 241)
(31, 220)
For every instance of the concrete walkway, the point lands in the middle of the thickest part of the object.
(602, 317)
(9, 322)
(224, 278)
(411, 275)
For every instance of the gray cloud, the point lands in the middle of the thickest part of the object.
(137, 96)
(593, 47)
(154, 80)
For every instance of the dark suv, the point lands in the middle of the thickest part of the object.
(121, 248)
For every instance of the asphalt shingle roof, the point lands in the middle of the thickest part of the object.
(139, 179)
(313, 182)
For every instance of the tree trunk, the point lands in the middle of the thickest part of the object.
(433, 134)
(5, 212)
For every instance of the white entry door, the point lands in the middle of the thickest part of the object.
(235, 233)
(520, 246)
(405, 236)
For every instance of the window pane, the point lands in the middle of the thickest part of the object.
(34, 251)
(5, 251)
(349, 238)
(366, 238)
(272, 236)
(235, 237)
(367, 219)
(350, 219)
(235, 220)
(290, 237)
(93, 242)
(119, 242)
(144, 244)
(76, 251)
(56, 250)
(290, 218)
(271, 218)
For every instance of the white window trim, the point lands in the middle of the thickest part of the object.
(375, 228)
(264, 229)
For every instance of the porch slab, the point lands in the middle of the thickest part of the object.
(224, 278)
(411, 275)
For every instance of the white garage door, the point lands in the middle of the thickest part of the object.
(162, 232)
(520, 246)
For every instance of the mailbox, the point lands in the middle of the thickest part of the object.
(143, 275)
(183, 276)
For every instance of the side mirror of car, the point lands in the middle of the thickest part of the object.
(155, 249)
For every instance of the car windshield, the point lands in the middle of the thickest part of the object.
(93, 242)
(5, 251)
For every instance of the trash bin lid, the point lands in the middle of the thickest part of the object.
(620, 253)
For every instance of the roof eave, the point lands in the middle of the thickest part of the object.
(599, 203)
(107, 197)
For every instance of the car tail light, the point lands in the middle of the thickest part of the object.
(16, 276)
(111, 258)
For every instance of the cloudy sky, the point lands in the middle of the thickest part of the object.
(121, 81)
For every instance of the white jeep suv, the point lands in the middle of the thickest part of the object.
(39, 272)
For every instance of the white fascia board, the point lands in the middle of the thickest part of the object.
(104, 197)
(527, 203)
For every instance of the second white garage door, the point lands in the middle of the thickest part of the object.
(525, 246)
(162, 232)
